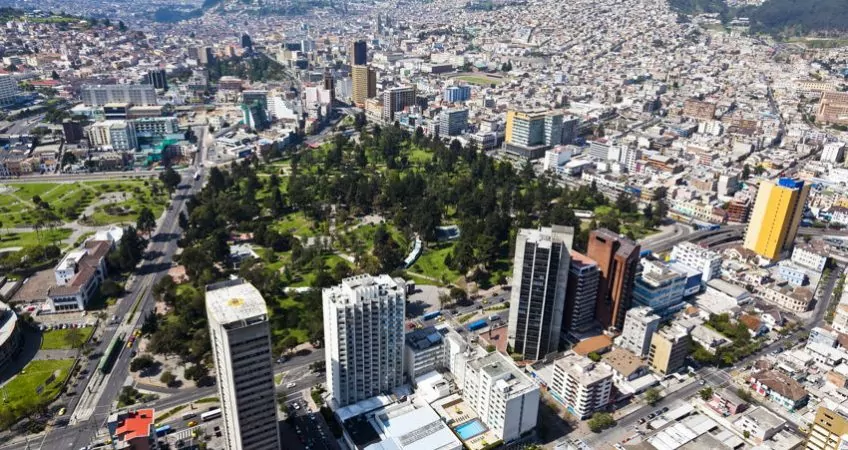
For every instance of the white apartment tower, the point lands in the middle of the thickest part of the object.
(539, 277)
(241, 347)
(640, 323)
(583, 385)
(698, 258)
(363, 332)
(8, 89)
(506, 399)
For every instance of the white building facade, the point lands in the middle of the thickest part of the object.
(639, 325)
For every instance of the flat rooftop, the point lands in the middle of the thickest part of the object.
(233, 301)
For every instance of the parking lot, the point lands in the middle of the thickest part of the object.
(310, 428)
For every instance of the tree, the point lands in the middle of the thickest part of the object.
(146, 222)
(594, 356)
(458, 295)
(652, 396)
(706, 393)
(600, 421)
(74, 338)
(142, 362)
(196, 372)
(444, 299)
(168, 378)
(170, 178)
(111, 289)
(68, 159)
(289, 342)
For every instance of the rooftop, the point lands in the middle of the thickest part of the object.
(352, 290)
(234, 301)
(584, 369)
(423, 338)
(135, 424)
(623, 361)
(781, 384)
(544, 236)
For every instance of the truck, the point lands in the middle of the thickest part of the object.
(477, 324)
(431, 315)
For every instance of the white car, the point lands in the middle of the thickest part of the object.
(296, 406)
(291, 385)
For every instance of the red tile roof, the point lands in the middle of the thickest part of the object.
(136, 424)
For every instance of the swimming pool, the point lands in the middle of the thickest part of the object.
(470, 429)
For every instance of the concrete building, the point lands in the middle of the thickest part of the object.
(364, 80)
(581, 294)
(810, 257)
(640, 323)
(530, 133)
(397, 99)
(457, 94)
(618, 261)
(364, 340)
(556, 157)
(581, 384)
(833, 108)
(452, 122)
(358, 53)
(539, 278)
(760, 424)
(136, 94)
(150, 126)
(829, 430)
(505, 398)
(669, 348)
(10, 335)
(697, 109)
(695, 257)
(8, 89)
(776, 216)
(425, 351)
(241, 347)
(157, 78)
(133, 430)
(780, 388)
(659, 288)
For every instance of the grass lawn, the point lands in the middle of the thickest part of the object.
(432, 264)
(480, 80)
(31, 239)
(295, 223)
(22, 388)
(419, 156)
(57, 339)
(306, 279)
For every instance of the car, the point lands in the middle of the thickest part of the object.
(192, 424)
(217, 434)
(217, 428)
(296, 407)
(651, 416)
(641, 421)
(665, 409)
(61, 412)
(290, 385)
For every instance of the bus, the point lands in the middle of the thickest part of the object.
(163, 430)
(209, 415)
(432, 315)
(111, 354)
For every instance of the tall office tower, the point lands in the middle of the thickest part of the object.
(330, 85)
(246, 42)
(618, 260)
(157, 79)
(669, 348)
(396, 99)
(193, 53)
(540, 278)
(207, 56)
(829, 430)
(363, 335)
(364, 84)
(640, 325)
(241, 347)
(452, 122)
(581, 294)
(358, 53)
(8, 89)
(456, 94)
(776, 216)
(73, 131)
(530, 133)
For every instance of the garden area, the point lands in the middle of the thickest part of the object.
(38, 384)
(65, 339)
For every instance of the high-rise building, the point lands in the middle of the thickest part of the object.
(157, 78)
(505, 398)
(453, 121)
(583, 385)
(241, 348)
(246, 42)
(829, 430)
(776, 216)
(530, 133)
(72, 130)
(457, 94)
(704, 260)
(395, 100)
(136, 94)
(669, 348)
(540, 278)
(115, 134)
(330, 85)
(8, 89)
(640, 323)
(581, 294)
(363, 334)
(364, 84)
(618, 260)
(358, 53)
(206, 55)
(425, 351)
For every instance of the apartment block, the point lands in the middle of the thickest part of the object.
(364, 80)
(695, 257)
(659, 288)
(397, 99)
(136, 94)
(505, 398)
(581, 293)
(581, 384)
(8, 89)
(829, 430)
(618, 261)
(424, 352)
(364, 339)
(640, 323)
(669, 348)
(540, 278)
(776, 217)
(241, 347)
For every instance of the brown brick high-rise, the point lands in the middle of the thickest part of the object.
(618, 261)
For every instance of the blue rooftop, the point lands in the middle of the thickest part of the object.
(790, 183)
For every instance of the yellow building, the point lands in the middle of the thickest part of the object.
(669, 348)
(776, 216)
(364, 80)
(828, 432)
